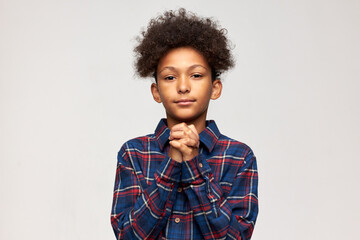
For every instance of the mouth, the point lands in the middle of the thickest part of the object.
(184, 102)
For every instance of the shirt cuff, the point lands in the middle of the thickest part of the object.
(169, 170)
(194, 170)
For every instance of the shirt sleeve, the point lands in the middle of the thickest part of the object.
(219, 216)
(142, 213)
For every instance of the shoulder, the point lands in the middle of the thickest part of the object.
(137, 148)
(238, 151)
(138, 142)
(236, 147)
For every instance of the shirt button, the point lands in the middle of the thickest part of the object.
(200, 165)
(177, 220)
(179, 189)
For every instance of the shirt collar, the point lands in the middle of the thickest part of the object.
(162, 133)
(208, 136)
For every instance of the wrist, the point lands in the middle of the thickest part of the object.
(188, 156)
(175, 154)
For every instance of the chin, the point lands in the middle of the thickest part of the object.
(188, 116)
(185, 118)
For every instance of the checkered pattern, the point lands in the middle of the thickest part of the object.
(212, 196)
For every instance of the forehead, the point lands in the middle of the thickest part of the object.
(183, 57)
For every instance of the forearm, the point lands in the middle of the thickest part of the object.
(142, 213)
(146, 216)
(219, 215)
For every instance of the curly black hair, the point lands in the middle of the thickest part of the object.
(181, 28)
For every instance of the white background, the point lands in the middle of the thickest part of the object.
(69, 99)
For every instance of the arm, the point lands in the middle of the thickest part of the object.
(142, 213)
(219, 216)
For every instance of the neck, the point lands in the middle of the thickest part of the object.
(199, 122)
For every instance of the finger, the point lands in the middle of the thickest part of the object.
(187, 134)
(177, 135)
(175, 144)
(183, 134)
(189, 142)
(189, 131)
(191, 134)
(177, 131)
(179, 127)
(193, 128)
(181, 147)
(182, 130)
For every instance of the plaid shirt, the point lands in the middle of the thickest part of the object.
(212, 196)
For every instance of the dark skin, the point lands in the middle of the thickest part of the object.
(185, 87)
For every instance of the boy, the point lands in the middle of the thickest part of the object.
(187, 180)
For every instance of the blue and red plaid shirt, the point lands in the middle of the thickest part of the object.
(212, 196)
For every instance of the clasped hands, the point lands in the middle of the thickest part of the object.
(184, 142)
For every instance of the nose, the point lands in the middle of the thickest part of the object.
(183, 85)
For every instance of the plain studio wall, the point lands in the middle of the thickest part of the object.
(69, 99)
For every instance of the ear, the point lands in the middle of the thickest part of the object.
(216, 89)
(155, 92)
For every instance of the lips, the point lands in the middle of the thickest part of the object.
(184, 102)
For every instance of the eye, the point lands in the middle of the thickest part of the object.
(197, 75)
(169, 78)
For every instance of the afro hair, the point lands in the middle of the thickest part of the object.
(180, 28)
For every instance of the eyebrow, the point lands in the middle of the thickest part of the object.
(190, 68)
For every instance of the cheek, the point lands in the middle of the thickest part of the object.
(165, 97)
(165, 91)
(162, 93)
(206, 91)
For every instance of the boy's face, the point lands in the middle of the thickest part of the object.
(184, 85)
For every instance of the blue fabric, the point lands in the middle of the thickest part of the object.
(212, 196)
